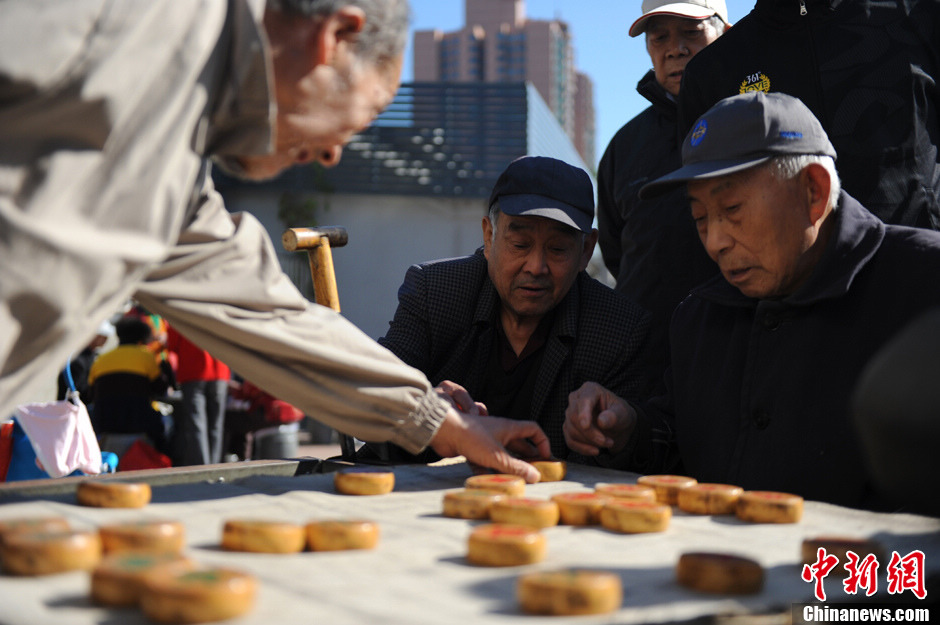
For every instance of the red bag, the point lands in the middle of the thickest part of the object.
(142, 455)
(275, 410)
(280, 412)
(6, 448)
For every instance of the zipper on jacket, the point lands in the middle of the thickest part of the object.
(803, 10)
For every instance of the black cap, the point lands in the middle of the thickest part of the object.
(741, 132)
(540, 186)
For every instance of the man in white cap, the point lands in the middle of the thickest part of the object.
(765, 356)
(650, 246)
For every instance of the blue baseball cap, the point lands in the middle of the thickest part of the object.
(541, 186)
(741, 132)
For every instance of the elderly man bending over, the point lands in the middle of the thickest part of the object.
(764, 358)
(110, 113)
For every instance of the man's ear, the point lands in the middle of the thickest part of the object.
(340, 27)
(487, 236)
(590, 240)
(817, 186)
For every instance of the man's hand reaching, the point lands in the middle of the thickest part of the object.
(597, 419)
(491, 442)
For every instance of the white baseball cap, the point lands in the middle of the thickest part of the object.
(692, 9)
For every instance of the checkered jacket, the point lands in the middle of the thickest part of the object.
(444, 326)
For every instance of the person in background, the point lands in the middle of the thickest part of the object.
(867, 69)
(158, 328)
(250, 409)
(650, 245)
(766, 356)
(109, 138)
(199, 418)
(518, 325)
(124, 382)
(158, 334)
(80, 364)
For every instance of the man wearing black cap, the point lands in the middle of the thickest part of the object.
(764, 357)
(518, 325)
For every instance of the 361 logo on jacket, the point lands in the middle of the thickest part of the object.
(755, 82)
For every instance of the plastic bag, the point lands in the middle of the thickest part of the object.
(61, 436)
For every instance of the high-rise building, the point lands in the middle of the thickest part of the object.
(499, 44)
(584, 129)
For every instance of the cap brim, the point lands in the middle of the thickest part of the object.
(532, 205)
(697, 171)
(680, 9)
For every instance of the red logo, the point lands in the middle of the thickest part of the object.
(903, 573)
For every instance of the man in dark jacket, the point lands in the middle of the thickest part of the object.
(518, 325)
(866, 69)
(124, 382)
(765, 357)
(650, 246)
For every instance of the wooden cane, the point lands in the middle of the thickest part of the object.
(319, 243)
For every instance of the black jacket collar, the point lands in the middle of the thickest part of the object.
(661, 99)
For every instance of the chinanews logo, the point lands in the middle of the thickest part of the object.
(755, 82)
(903, 574)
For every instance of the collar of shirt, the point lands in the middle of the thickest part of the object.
(507, 356)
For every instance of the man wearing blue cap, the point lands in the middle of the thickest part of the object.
(518, 325)
(764, 357)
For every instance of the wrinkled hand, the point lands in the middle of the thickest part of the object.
(597, 419)
(458, 397)
(491, 442)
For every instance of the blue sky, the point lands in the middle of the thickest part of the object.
(604, 51)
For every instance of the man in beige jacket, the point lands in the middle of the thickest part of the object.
(109, 112)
